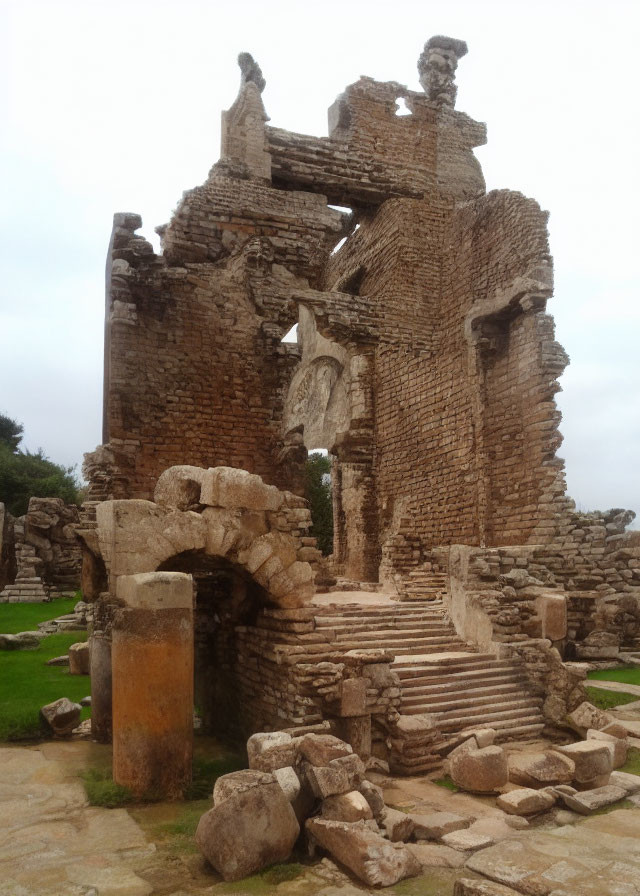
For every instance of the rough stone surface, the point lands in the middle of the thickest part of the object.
(61, 716)
(434, 825)
(466, 840)
(79, 660)
(540, 769)
(351, 806)
(248, 829)
(587, 716)
(593, 760)
(320, 749)
(480, 771)
(374, 860)
(588, 801)
(525, 801)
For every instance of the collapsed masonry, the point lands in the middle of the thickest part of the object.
(40, 556)
(425, 364)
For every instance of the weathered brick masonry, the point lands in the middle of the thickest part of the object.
(426, 361)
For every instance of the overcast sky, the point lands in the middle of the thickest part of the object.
(115, 106)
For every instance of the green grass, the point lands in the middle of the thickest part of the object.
(16, 618)
(608, 699)
(447, 783)
(27, 683)
(625, 674)
(103, 791)
(632, 765)
(207, 771)
(264, 882)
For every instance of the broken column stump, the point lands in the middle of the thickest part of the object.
(153, 684)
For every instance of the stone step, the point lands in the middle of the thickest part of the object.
(472, 704)
(483, 689)
(446, 660)
(530, 730)
(485, 719)
(439, 683)
(355, 610)
(412, 634)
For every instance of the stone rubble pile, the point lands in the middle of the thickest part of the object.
(314, 787)
(580, 775)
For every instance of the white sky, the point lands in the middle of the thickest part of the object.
(115, 106)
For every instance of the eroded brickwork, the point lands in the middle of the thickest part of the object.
(426, 360)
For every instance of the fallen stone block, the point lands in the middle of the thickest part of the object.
(373, 795)
(398, 826)
(619, 745)
(525, 801)
(540, 769)
(434, 825)
(351, 806)
(320, 749)
(374, 860)
(587, 716)
(79, 659)
(237, 782)
(592, 759)
(248, 829)
(289, 782)
(270, 750)
(480, 771)
(628, 783)
(61, 716)
(325, 781)
(587, 801)
(58, 661)
(353, 766)
(467, 841)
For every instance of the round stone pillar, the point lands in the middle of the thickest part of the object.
(152, 670)
(100, 668)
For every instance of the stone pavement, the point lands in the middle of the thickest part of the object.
(596, 857)
(52, 843)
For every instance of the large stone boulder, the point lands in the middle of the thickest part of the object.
(480, 771)
(376, 861)
(618, 745)
(540, 769)
(61, 716)
(351, 806)
(252, 825)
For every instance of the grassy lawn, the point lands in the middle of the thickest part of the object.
(27, 683)
(625, 674)
(608, 699)
(16, 618)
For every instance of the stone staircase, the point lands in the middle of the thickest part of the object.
(423, 584)
(440, 674)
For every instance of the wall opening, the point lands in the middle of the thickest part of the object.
(226, 596)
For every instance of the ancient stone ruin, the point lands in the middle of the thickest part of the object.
(40, 556)
(462, 575)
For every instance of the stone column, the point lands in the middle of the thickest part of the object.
(152, 660)
(100, 670)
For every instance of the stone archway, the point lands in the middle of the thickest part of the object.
(329, 405)
(221, 514)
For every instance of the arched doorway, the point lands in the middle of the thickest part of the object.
(225, 596)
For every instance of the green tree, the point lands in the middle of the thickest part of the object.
(318, 493)
(10, 432)
(26, 474)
